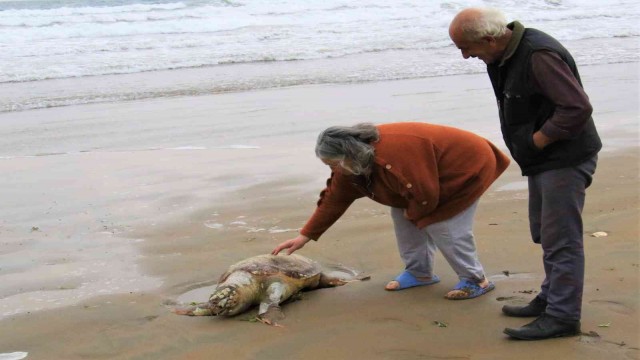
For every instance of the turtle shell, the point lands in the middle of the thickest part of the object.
(292, 266)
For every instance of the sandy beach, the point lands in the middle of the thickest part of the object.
(111, 212)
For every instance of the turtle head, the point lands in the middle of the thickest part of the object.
(228, 300)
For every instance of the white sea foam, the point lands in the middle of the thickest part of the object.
(272, 230)
(14, 157)
(276, 230)
(238, 147)
(188, 148)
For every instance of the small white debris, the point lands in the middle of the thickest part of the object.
(276, 230)
(599, 234)
(14, 355)
(213, 225)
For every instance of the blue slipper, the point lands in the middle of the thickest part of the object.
(470, 290)
(406, 280)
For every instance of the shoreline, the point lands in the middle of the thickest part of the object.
(264, 119)
(353, 69)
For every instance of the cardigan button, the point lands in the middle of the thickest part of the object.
(388, 166)
(409, 186)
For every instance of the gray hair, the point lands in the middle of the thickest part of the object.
(489, 22)
(351, 143)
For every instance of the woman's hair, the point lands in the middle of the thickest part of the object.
(350, 143)
(490, 22)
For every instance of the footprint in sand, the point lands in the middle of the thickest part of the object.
(594, 339)
(613, 306)
(511, 275)
(400, 354)
(513, 300)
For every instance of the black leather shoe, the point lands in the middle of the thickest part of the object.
(534, 308)
(545, 327)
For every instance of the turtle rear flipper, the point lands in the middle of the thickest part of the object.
(338, 275)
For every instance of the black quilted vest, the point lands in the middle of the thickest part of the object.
(523, 110)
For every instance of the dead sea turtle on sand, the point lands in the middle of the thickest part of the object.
(267, 281)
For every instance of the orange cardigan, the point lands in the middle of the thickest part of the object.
(432, 171)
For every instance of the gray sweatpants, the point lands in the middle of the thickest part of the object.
(556, 199)
(453, 237)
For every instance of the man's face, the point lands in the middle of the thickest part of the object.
(484, 49)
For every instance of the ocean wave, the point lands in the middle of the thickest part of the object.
(31, 75)
(181, 18)
(74, 19)
(102, 96)
(6, 11)
(358, 7)
(25, 71)
(129, 19)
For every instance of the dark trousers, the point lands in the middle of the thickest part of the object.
(556, 200)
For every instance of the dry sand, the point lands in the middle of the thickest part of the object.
(94, 245)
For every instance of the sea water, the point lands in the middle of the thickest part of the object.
(67, 52)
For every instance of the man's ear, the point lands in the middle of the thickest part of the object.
(488, 39)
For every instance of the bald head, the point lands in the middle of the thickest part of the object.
(480, 33)
(473, 24)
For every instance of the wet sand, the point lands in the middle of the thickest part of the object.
(98, 240)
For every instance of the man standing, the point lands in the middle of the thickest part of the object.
(545, 117)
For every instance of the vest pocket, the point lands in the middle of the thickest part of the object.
(515, 108)
(524, 150)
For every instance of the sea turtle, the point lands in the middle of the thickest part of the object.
(267, 281)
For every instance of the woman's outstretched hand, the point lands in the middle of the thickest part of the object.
(291, 244)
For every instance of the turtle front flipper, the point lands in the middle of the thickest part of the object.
(201, 309)
(272, 315)
(269, 311)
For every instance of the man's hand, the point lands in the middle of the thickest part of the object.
(291, 244)
(541, 140)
